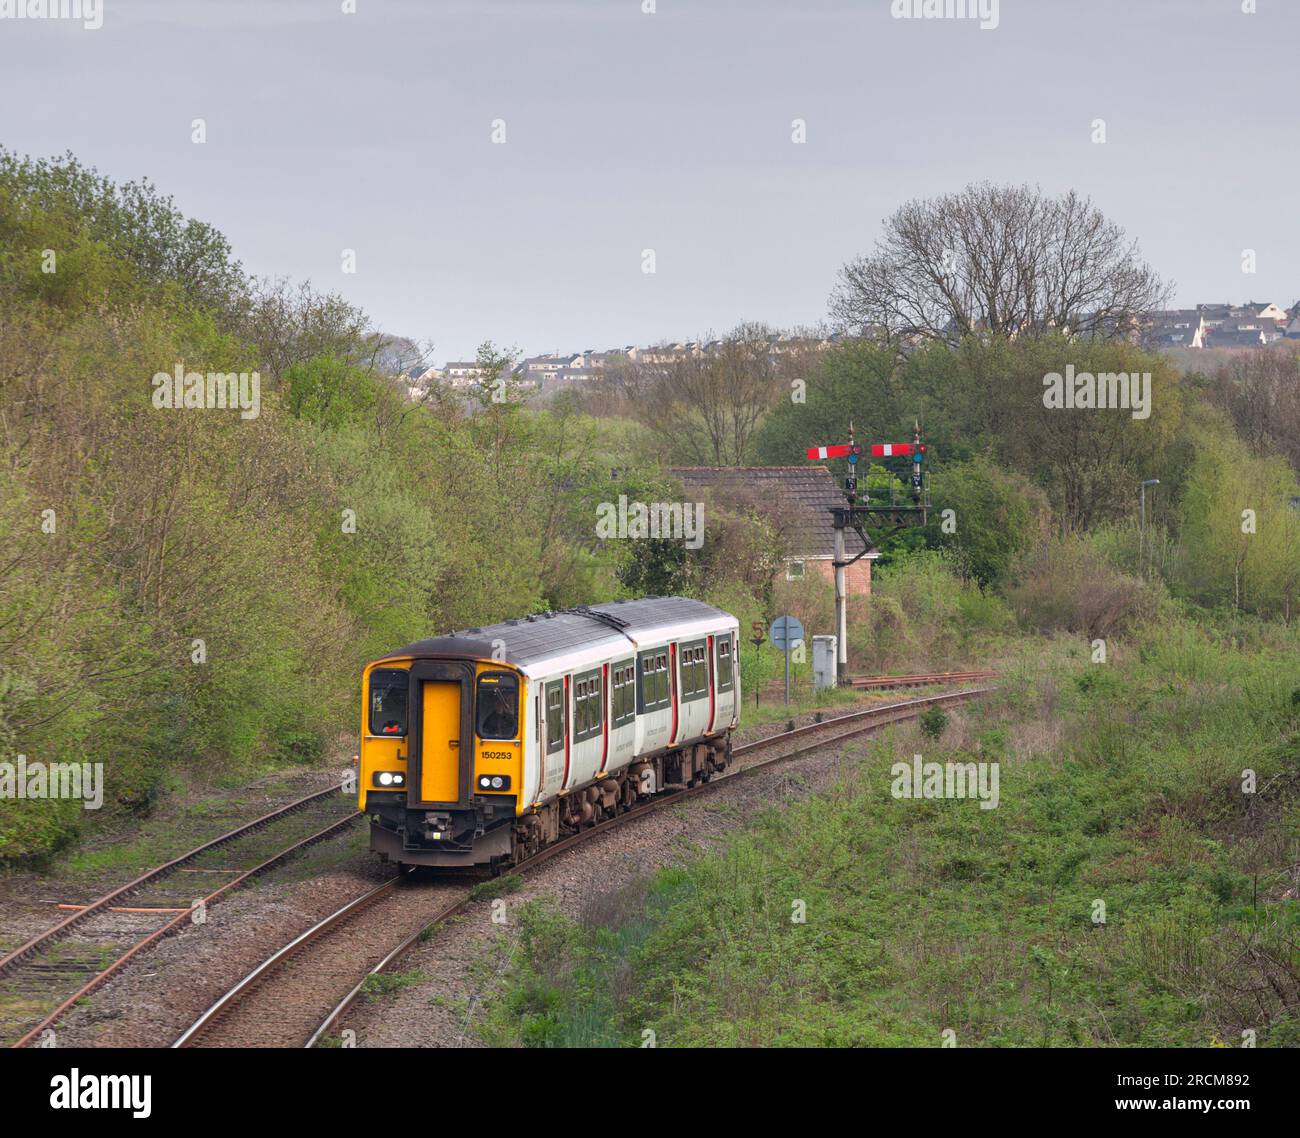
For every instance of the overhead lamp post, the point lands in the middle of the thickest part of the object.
(1143, 489)
(1142, 525)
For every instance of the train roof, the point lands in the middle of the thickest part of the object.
(545, 635)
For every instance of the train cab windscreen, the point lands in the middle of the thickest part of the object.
(498, 706)
(388, 688)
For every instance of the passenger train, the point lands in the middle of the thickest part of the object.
(482, 747)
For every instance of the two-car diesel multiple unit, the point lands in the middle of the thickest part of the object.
(482, 747)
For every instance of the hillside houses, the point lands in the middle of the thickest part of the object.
(566, 367)
(1251, 325)
(557, 369)
(1179, 328)
(1254, 324)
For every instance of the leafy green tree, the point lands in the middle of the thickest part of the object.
(997, 516)
(1240, 535)
(329, 392)
(135, 221)
(854, 382)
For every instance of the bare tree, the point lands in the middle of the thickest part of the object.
(398, 355)
(291, 324)
(1261, 391)
(999, 259)
(706, 404)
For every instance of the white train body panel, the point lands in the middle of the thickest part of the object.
(679, 717)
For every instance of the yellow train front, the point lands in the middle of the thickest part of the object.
(482, 747)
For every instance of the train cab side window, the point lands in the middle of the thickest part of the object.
(724, 664)
(498, 706)
(388, 690)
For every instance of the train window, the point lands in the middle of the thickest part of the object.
(724, 664)
(498, 706)
(623, 699)
(555, 716)
(695, 672)
(388, 688)
(587, 717)
(654, 691)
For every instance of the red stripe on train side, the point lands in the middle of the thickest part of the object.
(672, 689)
(604, 716)
(713, 710)
(564, 785)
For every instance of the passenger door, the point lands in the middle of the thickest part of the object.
(555, 739)
(440, 741)
(441, 734)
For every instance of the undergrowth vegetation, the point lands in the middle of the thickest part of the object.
(1135, 885)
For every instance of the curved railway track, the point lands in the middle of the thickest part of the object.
(71, 959)
(276, 1005)
(871, 683)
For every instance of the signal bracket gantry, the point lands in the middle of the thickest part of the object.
(884, 508)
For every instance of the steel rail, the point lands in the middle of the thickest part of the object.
(879, 716)
(272, 962)
(869, 682)
(176, 922)
(392, 957)
(57, 932)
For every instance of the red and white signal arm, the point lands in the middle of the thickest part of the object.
(842, 451)
(888, 450)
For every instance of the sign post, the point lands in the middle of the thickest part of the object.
(757, 641)
(787, 633)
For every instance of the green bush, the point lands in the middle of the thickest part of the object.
(934, 722)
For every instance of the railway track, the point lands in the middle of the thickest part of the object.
(297, 1006)
(43, 978)
(868, 683)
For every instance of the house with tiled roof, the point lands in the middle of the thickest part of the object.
(1216, 315)
(1268, 311)
(1175, 328)
(1238, 334)
(801, 497)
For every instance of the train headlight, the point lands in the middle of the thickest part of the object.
(494, 782)
(390, 778)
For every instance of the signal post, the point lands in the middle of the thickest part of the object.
(883, 510)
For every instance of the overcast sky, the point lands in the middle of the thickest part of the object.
(671, 131)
